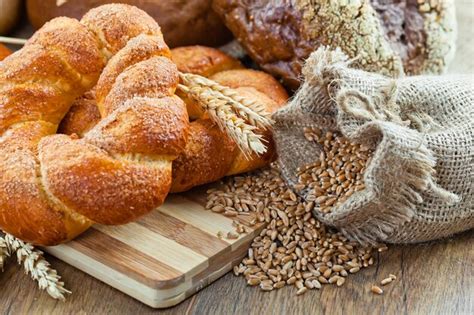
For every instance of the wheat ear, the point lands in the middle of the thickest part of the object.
(234, 118)
(4, 254)
(39, 269)
(250, 110)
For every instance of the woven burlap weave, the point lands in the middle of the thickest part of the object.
(419, 183)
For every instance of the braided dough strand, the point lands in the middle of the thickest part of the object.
(53, 187)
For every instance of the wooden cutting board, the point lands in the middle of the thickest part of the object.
(164, 257)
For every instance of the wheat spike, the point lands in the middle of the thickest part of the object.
(39, 269)
(251, 111)
(237, 120)
(4, 254)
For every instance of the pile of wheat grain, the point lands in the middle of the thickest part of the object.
(294, 248)
(338, 172)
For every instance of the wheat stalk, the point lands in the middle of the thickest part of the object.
(250, 110)
(34, 264)
(238, 117)
(235, 127)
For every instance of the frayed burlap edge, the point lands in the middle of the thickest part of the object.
(371, 215)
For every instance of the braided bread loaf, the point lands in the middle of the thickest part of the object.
(53, 187)
(209, 154)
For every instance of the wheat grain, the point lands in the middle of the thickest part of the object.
(39, 269)
(376, 290)
(386, 281)
(294, 248)
(337, 174)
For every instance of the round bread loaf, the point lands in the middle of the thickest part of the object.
(182, 22)
(389, 36)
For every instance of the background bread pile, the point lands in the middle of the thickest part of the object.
(182, 22)
(10, 11)
(391, 37)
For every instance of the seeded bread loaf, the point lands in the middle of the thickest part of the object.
(387, 36)
(182, 22)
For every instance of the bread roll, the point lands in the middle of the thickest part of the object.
(209, 154)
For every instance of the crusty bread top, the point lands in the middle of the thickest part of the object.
(207, 156)
(203, 60)
(261, 81)
(116, 24)
(73, 43)
(137, 49)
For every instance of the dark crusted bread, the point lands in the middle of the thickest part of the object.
(387, 36)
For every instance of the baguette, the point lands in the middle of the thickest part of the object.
(53, 187)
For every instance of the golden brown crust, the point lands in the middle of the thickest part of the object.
(204, 61)
(30, 215)
(261, 81)
(53, 186)
(207, 157)
(107, 190)
(4, 52)
(72, 43)
(155, 77)
(144, 125)
(81, 117)
(137, 49)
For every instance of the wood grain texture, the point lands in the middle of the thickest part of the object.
(165, 256)
(433, 278)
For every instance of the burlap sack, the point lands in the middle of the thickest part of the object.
(419, 184)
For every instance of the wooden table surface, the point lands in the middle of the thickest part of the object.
(433, 278)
